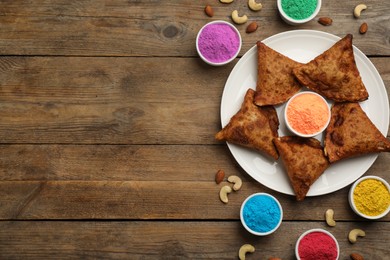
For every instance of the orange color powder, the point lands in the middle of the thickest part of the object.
(307, 113)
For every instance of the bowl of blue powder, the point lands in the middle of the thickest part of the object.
(295, 12)
(218, 43)
(261, 214)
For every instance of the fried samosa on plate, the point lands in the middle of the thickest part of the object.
(304, 161)
(253, 127)
(275, 81)
(334, 73)
(351, 133)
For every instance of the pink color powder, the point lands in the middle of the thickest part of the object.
(317, 246)
(218, 42)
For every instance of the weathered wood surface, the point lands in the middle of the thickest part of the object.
(161, 28)
(171, 240)
(114, 100)
(107, 123)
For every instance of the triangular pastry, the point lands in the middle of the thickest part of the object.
(351, 133)
(275, 81)
(304, 161)
(334, 74)
(252, 126)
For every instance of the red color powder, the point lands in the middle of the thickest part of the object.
(317, 246)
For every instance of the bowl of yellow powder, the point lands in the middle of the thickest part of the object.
(295, 12)
(369, 197)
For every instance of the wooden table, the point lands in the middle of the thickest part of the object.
(107, 126)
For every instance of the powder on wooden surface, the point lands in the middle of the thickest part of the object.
(317, 246)
(299, 9)
(371, 197)
(261, 213)
(307, 113)
(218, 42)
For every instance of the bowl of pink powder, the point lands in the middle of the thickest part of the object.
(317, 244)
(218, 43)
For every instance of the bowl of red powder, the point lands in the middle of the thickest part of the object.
(261, 214)
(218, 43)
(369, 197)
(317, 244)
(295, 12)
(307, 114)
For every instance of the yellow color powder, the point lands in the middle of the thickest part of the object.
(371, 197)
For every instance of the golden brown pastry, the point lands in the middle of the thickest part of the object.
(351, 133)
(304, 161)
(275, 81)
(334, 74)
(252, 127)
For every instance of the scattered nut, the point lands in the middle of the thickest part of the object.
(247, 248)
(355, 256)
(354, 233)
(239, 19)
(209, 11)
(358, 10)
(254, 6)
(252, 27)
(329, 217)
(226, 1)
(325, 21)
(363, 28)
(224, 192)
(274, 258)
(219, 176)
(237, 182)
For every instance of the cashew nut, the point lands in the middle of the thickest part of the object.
(239, 19)
(224, 192)
(358, 9)
(237, 182)
(247, 248)
(329, 217)
(254, 6)
(226, 1)
(354, 233)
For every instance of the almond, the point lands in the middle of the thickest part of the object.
(219, 176)
(363, 28)
(274, 258)
(209, 11)
(251, 27)
(325, 21)
(356, 256)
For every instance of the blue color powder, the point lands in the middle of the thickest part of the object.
(261, 213)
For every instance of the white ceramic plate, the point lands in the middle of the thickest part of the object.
(302, 46)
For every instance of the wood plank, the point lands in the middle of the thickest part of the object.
(37, 200)
(131, 28)
(172, 240)
(107, 100)
(128, 163)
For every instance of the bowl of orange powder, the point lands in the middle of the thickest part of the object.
(307, 114)
(369, 197)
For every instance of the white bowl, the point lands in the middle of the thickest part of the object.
(311, 231)
(225, 61)
(254, 232)
(293, 21)
(303, 134)
(352, 204)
